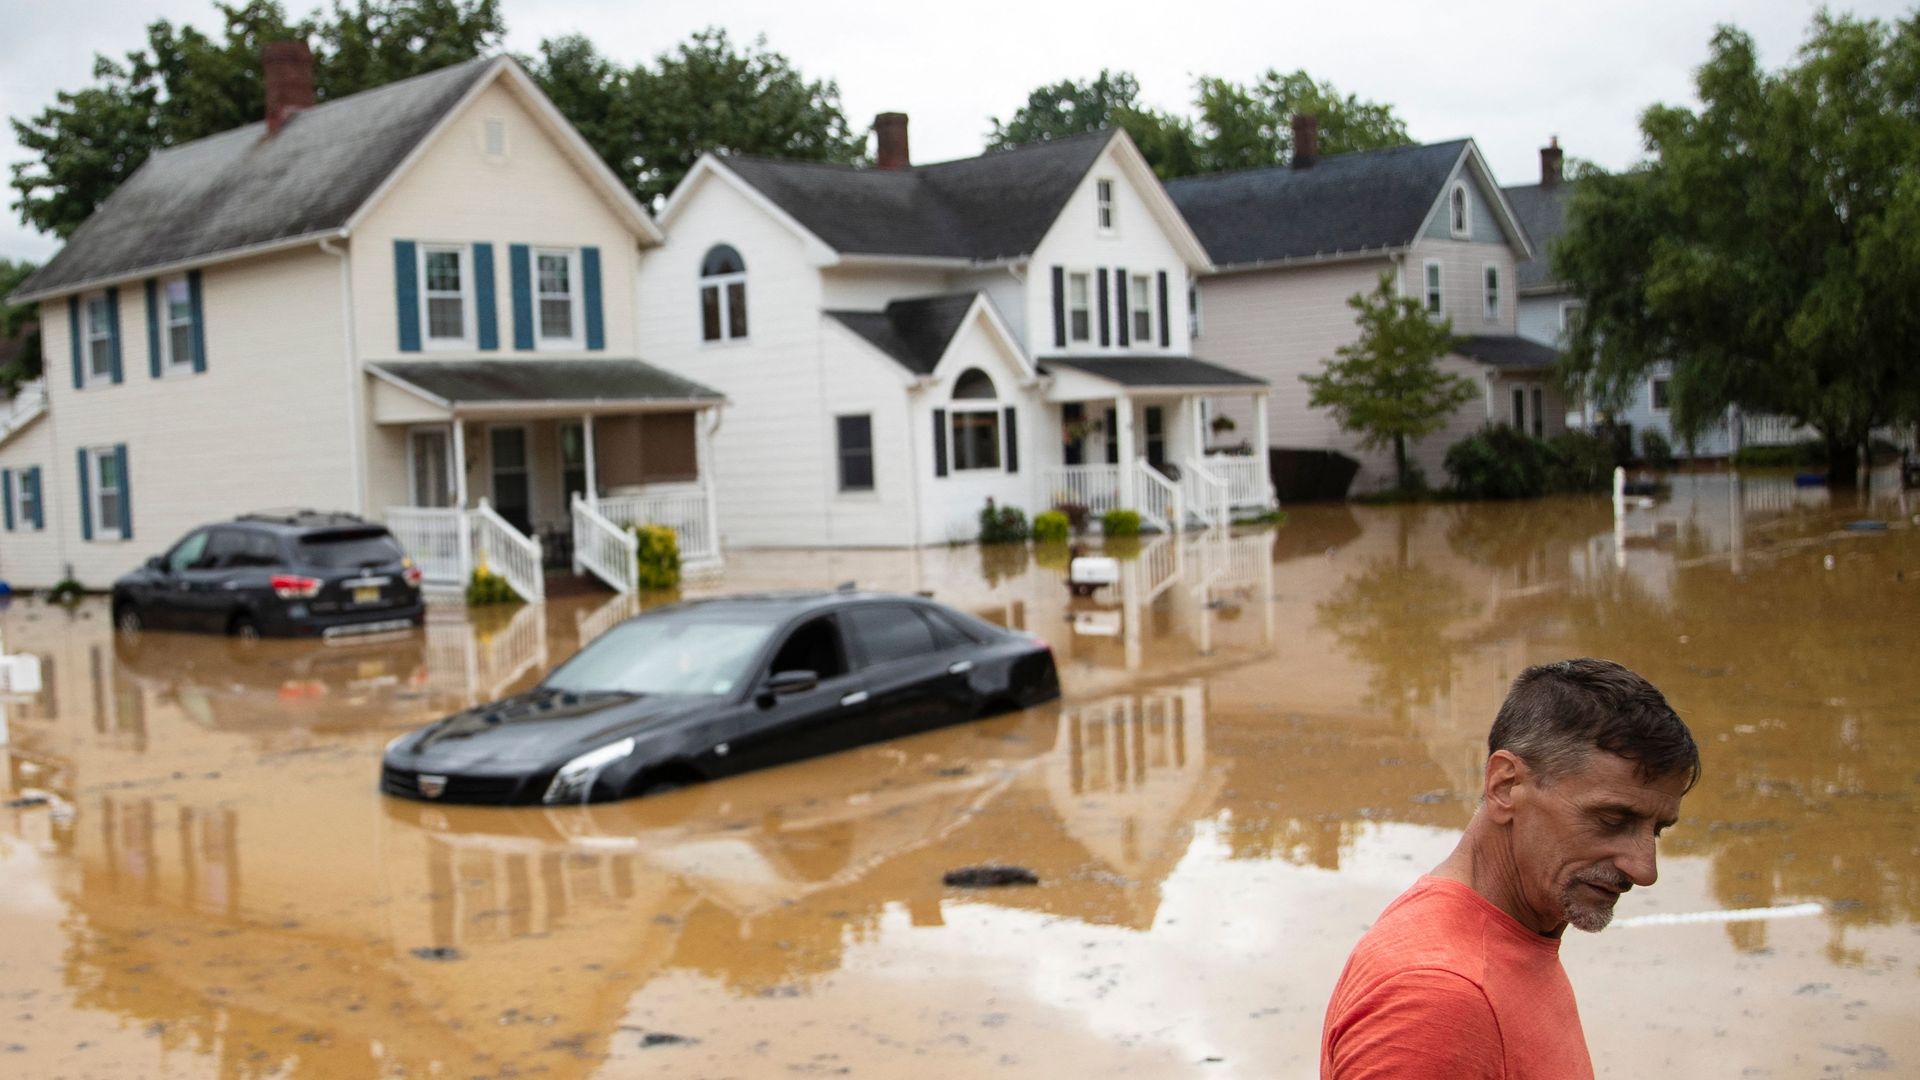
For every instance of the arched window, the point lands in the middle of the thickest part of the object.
(975, 422)
(723, 295)
(1458, 211)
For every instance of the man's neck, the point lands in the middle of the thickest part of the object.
(1483, 861)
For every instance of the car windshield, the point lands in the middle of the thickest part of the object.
(665, 655)
(345, 550)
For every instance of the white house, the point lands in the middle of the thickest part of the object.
(417, 303)
(1289, 246)
(899, 344)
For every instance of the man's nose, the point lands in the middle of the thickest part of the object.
(1639, 862)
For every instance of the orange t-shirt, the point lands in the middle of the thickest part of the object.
(1446, 985)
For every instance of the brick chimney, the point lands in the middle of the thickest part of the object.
(289, 75)
(1550, 162)
(1306, 140)
(890, 136)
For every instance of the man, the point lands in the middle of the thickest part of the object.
(1461, 976)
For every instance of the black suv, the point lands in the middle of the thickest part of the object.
(289, 573)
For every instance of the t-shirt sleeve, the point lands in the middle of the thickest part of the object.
(1423, 1023)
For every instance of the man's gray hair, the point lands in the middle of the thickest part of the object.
(1557, 714)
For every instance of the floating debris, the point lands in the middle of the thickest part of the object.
(437, 952)
(664, 1038)
(989, 877)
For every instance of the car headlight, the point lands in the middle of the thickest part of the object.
(574, 781)
(397, 740)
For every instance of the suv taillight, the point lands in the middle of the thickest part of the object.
(295, 587)
(413, 576)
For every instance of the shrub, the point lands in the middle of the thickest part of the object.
(658, 555)
(1120, 523)
(1497, 462)
(1579, 461)
(1051, 527)
(1809, 453)
(1002, 524)
(1655, 448)
(486, 587)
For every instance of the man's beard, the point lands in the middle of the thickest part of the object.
(1585, 911)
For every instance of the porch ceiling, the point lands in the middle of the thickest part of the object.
(499, 388)
(1150, 375)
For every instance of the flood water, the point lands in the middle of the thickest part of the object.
(1262, 740)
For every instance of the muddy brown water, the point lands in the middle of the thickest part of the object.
(1262, 740)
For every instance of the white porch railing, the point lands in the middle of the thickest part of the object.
(1205, 495)
(605, 548)
(506, 552)
(1246, 477)
(688, 510)
(437, 539)
(30, 401)
(1159, 497)
(1772, 431)
(1096, 487)
(1160, 565)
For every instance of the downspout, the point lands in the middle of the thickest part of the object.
(356, 437)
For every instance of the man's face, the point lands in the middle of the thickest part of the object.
(1582, 839)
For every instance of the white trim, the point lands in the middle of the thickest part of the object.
(1490, 293)
(1460, 223)
(465, 342)
(575, 296)
(171, 365)
(1433, 287)
(1385, 254)
(192, 263)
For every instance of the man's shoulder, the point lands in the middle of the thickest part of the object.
(1437, 925)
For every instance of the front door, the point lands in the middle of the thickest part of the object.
(573, 463)
(512, 494)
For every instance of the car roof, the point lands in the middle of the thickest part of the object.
(794, 601)
(306, 520)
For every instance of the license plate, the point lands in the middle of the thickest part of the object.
(367, 594)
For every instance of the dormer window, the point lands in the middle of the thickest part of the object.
(1459, 212)
(723, 295)
(1103, 197)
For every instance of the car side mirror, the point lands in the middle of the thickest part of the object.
(793, 682)
(157, 563)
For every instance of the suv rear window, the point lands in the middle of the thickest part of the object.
(350, 549)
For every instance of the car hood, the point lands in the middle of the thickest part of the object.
(537, 727)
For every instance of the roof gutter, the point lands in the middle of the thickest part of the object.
(1362, 255)
(932, 262)
(211, 259)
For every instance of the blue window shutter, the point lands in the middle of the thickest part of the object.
(73, 334)
(590, 277)
(113, 330)
(519, 269)
(486, 316)
(39, 503)
(1166, 335)
(6, 492)
(126, 492)
(406, 294)
(939, 442)
(1120, 302)
(1059, 307)
(199, 321)
(1106, 334)
(1013, 441)
(153, 327)
(86, 497)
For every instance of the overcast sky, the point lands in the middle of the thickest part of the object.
(1509, 73)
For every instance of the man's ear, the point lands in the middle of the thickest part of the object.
(1506, 778)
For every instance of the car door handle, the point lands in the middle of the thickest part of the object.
(959, 667)
(858, 697)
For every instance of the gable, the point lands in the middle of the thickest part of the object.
(1143, 226)
(1486, 221)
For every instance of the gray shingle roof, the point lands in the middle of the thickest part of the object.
(994, 206)
(506, 382)
(915, 332)
(237, 190)
(1543, 213)
(1148, 371)
(1513, 353)
(1347, 203)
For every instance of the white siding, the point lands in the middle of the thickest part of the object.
(860, 380)
(871, 289)
(30, 558)
(951, 508)
(1539, 319)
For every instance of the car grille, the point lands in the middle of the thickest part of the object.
(460, 789)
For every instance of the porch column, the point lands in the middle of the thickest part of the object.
(1197, 421)
(1123, 434)
(459, 463)
(586, 448)
(1264, 467)
(705, 423)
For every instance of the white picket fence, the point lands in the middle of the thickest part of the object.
(688, 510)
(437, 539)
(1096, 487)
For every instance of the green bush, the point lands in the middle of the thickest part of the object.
(1498, 462)
(1051, 526)
(65, 591)
(486, 587)
(1809, 453)
(658, 555)
(1002, 524)
(1655, 448)
(1579, 461)
(1120, 523)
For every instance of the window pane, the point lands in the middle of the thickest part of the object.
(180, 344)
(553, 274)
(1080, 325)
(1142, 324)
(509, 448)
(556, 318)
(890, 632)
(100, 350)
(443, 271)
(109, 469)
(109, 510)
(737, 309)
(445, 318)
(856, 453)
(1077, 290)
(976, 440)
(98, 322)
(710, 313)
(179, 303)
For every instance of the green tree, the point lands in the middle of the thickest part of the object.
(1111, 100)
(1250, 126)
(709, 96)
(1770, 246)
(596, 95)
(1387, 384)
(14, 318)
(186, 84)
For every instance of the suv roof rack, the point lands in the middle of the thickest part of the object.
(306, 518)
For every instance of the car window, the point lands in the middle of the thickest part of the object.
(261, 550)
(225, 549)
(815, 647)
(187, 553)
(665, 654)
(348, 549)
(946, 632)
(889, 632)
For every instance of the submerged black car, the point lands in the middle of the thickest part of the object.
(276, 573)
(705, 689)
